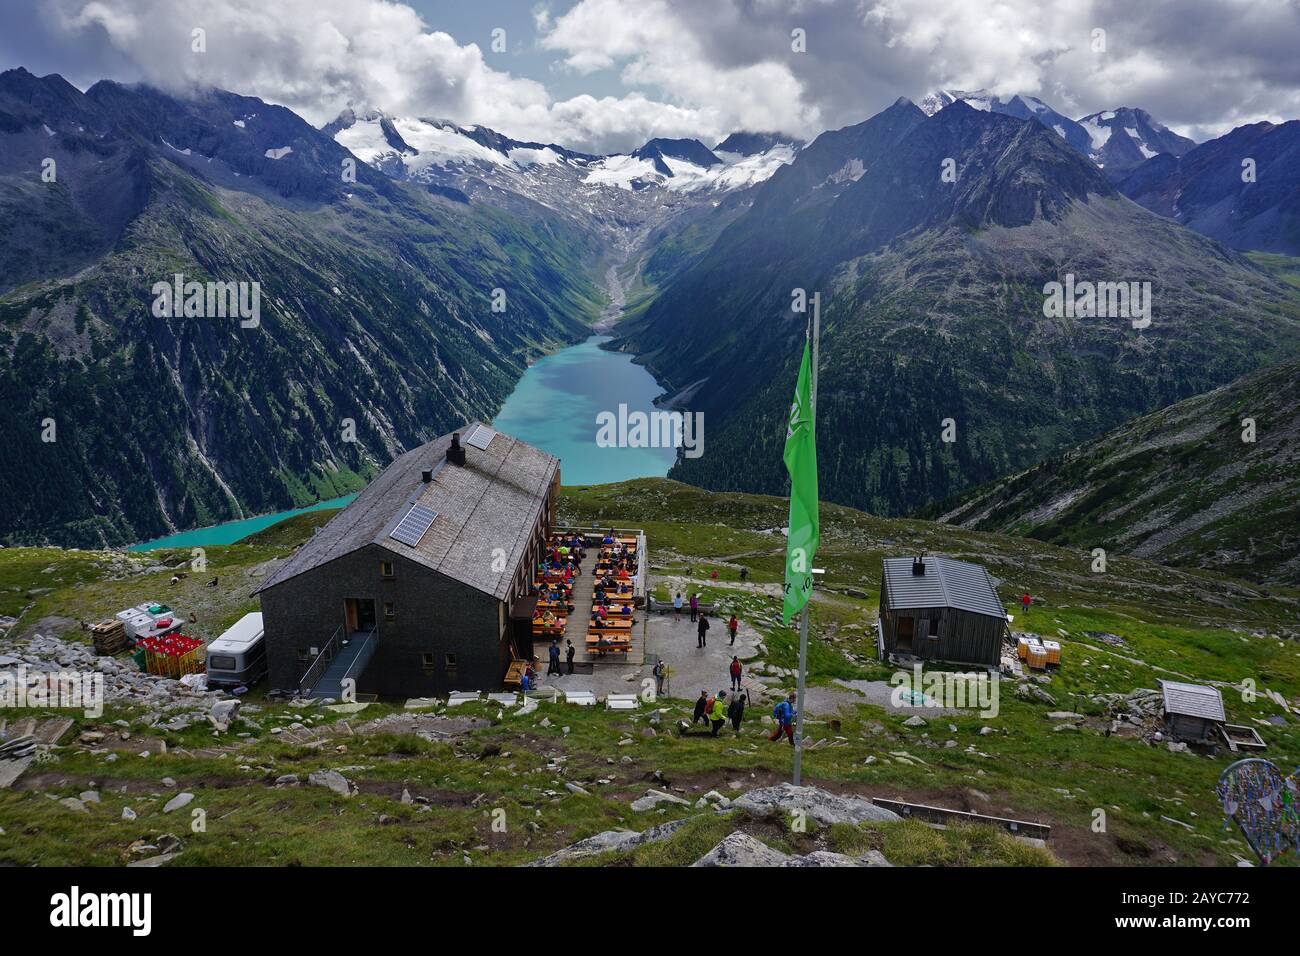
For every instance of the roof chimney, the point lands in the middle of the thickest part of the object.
(426, 476)
(455, 451)
(918, 565)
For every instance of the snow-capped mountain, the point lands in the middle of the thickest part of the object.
(1116, 140)
(424, 148)
(1022, 107)
(476, 163)
(1124, 138)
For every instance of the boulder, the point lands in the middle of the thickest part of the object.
(653, 798)
(223, 713)
(178, 802)
(825, 808)
(741, 849)
(331, 780)
(609, 840)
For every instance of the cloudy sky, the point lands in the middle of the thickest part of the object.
(606, 75)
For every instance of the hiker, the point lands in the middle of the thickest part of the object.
(677, 607)
(702, 632)
(718, 713)
(700, 706)
(695, 606)
(744, 574)
(554, 667)
(784, 715)
(660, 670)
(1025, 601)
(735, 673)
(736, 709)
(568, 655)
(732, 627)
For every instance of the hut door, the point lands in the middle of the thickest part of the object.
(906, 630)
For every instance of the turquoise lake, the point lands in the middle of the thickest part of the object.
(555, 404)
(554, 408)
(232, 531)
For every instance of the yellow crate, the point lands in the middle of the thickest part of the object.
(1037, 657)
(1053, 649)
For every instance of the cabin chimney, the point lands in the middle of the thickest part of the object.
(456, 451)
(426, 476)
(918, 566)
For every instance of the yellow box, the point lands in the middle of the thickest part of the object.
(1053, 649)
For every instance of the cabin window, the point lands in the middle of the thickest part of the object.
(426, 661)
(390, 611)
(304, 655)
(934, 627)
(451, 662)
(386, 570)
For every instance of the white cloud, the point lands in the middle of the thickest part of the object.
(659, 45)
(705, 69)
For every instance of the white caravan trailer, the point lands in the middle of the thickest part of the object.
(238, 657)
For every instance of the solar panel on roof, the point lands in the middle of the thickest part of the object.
(413, 527)
(481, 438)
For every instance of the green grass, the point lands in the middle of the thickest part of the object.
(1200, 625)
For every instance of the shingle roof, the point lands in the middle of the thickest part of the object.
(1193, 700)
(946, 583)
(486, 509)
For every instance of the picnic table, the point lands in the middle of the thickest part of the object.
(617, 645)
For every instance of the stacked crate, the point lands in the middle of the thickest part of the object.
(109, 637)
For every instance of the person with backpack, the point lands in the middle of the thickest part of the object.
(701, 708)
(702, 632)
(735, 670)
(718, 712)
(660, 670)
(568, 655)
(554, 653)
(732, 626)
(784, 715)
(736, 709)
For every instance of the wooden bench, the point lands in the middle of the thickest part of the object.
(515, 673)
(610, 646)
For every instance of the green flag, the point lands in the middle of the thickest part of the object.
(801, 461)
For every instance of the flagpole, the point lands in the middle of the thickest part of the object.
(815, 333)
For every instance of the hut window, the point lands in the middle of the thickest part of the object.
(451, 662)
(390, 612)
(304, 655)
(386, 570)
(426, 661)
(934, 627)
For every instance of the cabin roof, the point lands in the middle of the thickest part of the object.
(485, 511)
(1193, 700)
(946, 583)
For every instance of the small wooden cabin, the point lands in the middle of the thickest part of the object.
(1193, 712)
(940, 609)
